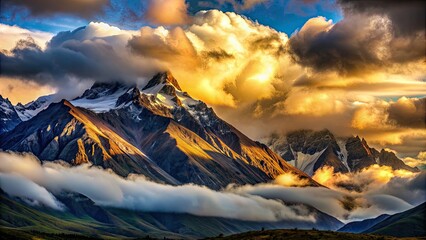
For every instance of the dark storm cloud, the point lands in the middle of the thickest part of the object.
(408, 112)
(345, 47)
(407, 16)
(86, 9)
(29, 61)
(83, 55)
(372, 35)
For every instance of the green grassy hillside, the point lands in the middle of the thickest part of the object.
(409, 223)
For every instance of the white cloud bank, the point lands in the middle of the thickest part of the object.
(22, 175)
(351, 196)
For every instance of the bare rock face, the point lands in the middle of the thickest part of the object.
(158, 131)
(9, 118)
(310, 150)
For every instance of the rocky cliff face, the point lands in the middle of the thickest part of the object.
(9, 118)
(310, 150)
(158, 131)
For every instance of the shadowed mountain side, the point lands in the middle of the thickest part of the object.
(411, 223)
(361, 226)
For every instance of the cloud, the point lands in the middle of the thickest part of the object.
(167, 12)
(86, 8)
(16, 185)
(419, 161)
(96, 52)
(408, 112)
(247, 72)
(408, 17)
(32, 179)
(361, 42)
(368, 193)
(10, 35)
(352, 196)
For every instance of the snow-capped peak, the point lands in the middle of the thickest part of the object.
(29, 110)
(160, 80)
(101, 97)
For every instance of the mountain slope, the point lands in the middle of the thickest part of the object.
(77, 136)
(159, 131)
(310, 150)
(9, 118)
(411, 223)
(361, 226)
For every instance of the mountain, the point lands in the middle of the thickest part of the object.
(310, 150)
(158, 130)
(32, 108)
(411, 223)
(83, 217)
(361, 226)
(9, 118)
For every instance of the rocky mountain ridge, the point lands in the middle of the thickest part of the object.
(159, 131)
(310, 150)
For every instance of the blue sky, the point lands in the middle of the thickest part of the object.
(282, 15)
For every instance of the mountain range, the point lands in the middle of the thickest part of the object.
(310, 150)
(158, 131)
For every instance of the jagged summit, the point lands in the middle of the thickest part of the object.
(310, 150)
(159, 131)
(8, 115)
(163, 78)
(32, 108)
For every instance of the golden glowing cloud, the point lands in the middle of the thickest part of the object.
(10, 35)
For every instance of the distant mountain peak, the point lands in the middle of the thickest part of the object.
(309, 150)
(165, 78)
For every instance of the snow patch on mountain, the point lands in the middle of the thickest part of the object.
(103, 102)
(306, 162)
(343, 154)
(31, 109)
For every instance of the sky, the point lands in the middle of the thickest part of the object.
(353, 67)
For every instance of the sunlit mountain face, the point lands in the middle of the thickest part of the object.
(193, 119)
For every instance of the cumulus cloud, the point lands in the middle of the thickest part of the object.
(96, 52)
(167, 12)
(408, 17)
(355, 45)
(246, 71)
(372, 35)
(86, 8)
(10, 35)
(32, 179)
(227, 54)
